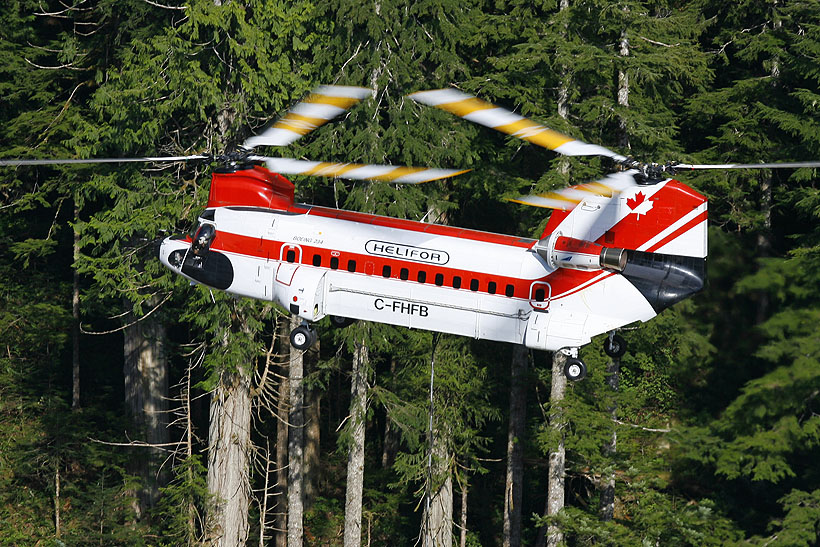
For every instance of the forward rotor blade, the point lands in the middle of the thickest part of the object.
(481, 112)
(785, 165)
(357, 171)
(325, 103)
(568, 198)
(147, 159)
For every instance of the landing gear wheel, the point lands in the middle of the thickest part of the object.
(575, 369)
(615, 346)
(302, 337)
(339, 322)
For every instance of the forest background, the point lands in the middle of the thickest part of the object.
(710, 435)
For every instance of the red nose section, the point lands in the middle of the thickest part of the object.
(251, 187)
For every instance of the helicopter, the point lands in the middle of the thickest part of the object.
(614, 252)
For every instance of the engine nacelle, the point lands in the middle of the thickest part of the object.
(578, 254)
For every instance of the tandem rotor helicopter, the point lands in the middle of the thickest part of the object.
(614, 251)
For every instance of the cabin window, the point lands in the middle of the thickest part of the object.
(317, 260)
(404, 274)
(290, 256)
(540, 294)
(334, 262)
(456, 282)
(351, 266)
(385, 271)
(474, 284)
(510, 290)
(422, 276)
(491, 287)
(439, 279)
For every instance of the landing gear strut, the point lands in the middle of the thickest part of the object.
(614, 345)
(302, 337)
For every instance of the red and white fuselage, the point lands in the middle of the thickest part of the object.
(608, 262)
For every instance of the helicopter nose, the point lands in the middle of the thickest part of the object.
(162, 252)
(171, 253)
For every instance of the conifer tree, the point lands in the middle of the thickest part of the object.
(765, 431)
(386, 45)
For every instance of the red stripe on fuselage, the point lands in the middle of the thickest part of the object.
(368, 264)
(679, 232)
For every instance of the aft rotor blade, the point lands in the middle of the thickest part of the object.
(325, 103)
(147, 159)
(568, 198)
(487, 114)
(358, 171)
(784, 165)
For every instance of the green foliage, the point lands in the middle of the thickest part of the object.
(801, 524)
(732, 373)
(184, 502)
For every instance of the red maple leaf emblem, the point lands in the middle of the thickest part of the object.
(637, 200)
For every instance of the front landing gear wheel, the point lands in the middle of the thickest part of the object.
(575, 369)
(615, 346)
(302, 337)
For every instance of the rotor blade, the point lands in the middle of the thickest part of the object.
(325, 103)
(785, 165)
(481, 112)
(568, 198)
(357, 171)
(168, 159)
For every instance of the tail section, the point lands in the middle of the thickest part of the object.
(657, 231)
(667, 217)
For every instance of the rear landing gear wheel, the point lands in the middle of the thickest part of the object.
(302, 337)
(340, 322)
(575, 369)
(615, 346)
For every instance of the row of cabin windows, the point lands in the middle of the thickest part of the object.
(421, 277)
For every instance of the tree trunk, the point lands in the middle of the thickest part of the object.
(282, 410)
(623, 90)
(58, 530)
(185, 400)
(563, 93)
(75, 313)
(145, 372)
(557, 459)
(390, 445)
(515, 454)
(296, 443)
(563, 88)
(764, 236)
(437, 521)
(229, 458)
(439, 529)
(355, 455)
(463, 524)
(437, 524)
(606, 507)
(312, 460)
(552, 534)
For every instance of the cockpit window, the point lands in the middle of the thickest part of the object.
(202, 239)
(207, 214)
